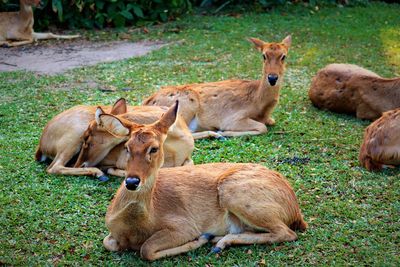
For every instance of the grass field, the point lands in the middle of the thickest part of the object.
(354, 215)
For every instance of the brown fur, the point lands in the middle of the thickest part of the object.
(63, 137)
(16, 28)
(232, 107)
(350, 89)
(381, 145)
(104, 149)
(172, 209)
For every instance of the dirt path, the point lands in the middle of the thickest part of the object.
(57, 58)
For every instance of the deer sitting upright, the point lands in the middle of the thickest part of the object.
(104, 149)
(347, 88)
(381, 145)
(165, 212)
(232, 107)
(18, 26)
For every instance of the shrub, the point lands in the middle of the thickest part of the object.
(119, 13)
(101, 13)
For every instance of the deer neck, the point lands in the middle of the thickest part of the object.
(265, 92)
(26, 12)
(134, 205)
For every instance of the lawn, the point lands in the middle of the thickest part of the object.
(354, 215)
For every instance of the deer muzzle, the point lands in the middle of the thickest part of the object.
(132, 183)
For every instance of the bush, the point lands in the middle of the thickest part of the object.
(101, 13)
(119, 13)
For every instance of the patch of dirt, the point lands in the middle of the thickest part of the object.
(57, 58)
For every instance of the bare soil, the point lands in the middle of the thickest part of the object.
(53, 58)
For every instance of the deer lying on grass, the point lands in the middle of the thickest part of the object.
(18, 26)
(107, 150)
(165, 212)
(381, 145)
(63, 137)
(232, 107)
(346, 88)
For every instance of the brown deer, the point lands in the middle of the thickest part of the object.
(16, 28)
(104, 149)
(165, 212)
(63, 137)
(350, 89)
(381, 145)
(232, 107)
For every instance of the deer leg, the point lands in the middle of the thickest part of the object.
(188, 161)
(49, 35)
(364, 111)
(17, 43)
(58, 167)
(206, 134)
(116, 172)
(276, 235)
(267, 119)
(245, 127)
(169, 243)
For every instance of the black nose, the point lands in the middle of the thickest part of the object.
(131, 183)
(272, 78)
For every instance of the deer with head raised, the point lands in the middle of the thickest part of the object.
(107, 150)
(350, 89)
(169, 211)
(381, 145)
(232, 107)
(16, 28)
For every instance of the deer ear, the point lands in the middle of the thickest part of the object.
(113, 125)
(168, 119)
(119, 107)
(99, 111)
(287, 41)
(257, 43)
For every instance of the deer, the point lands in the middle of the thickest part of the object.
(64, 135)
(169, 211)
(16, 28)
(346, 88)
(232, 107)
(381, 144)
(107, 150)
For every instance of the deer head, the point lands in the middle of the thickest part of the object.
(97, 142)
(274, 55)
(144, 147)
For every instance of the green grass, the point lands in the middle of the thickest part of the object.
(354, 215)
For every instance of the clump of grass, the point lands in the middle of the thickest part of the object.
(353, 214)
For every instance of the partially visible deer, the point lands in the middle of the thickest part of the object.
(350, 89)
(381, 145)
(232, 107)
(62, 138)
(16, 28)
(169, 211)
(104, 149)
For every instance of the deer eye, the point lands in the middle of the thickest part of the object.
(283, 57)
(264, 57)
(153, 150)
(126, 149)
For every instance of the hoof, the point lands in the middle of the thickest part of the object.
(103, 178)
(207, 236)
(220, 137)
(216, 250)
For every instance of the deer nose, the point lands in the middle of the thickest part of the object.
(132, 183)
(272, 78)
